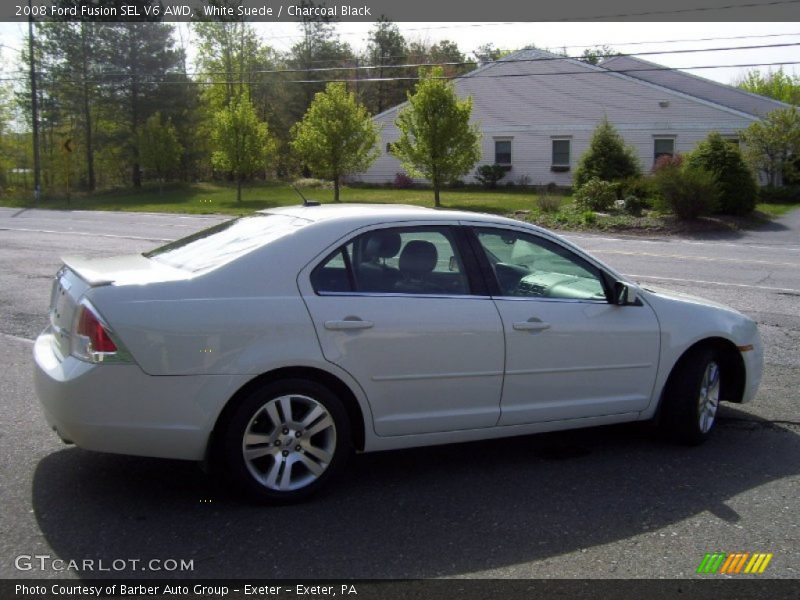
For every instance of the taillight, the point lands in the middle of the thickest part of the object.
(91, 327)
(92, 340)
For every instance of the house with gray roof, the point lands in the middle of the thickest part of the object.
(537, 112)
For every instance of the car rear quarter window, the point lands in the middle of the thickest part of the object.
(218, 245)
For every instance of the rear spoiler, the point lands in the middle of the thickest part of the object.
(83, 268)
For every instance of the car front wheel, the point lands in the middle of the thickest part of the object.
(692, 396)
(285, 441)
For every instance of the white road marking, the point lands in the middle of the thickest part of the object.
(722, 283)
(690, 257)
(105, 235)
(16, 337)
(716, 244)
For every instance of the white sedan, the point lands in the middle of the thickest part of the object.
(273, 346)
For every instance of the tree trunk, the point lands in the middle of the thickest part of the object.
(87, 113)
(335, 189)
(436, 202)
(238, 190)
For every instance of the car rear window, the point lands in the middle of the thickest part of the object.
(220, 244)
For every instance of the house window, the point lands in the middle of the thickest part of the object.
(502, 152)
(388, 147)
(663, 147)
(560, 155)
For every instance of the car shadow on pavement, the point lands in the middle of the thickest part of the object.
(420, 513)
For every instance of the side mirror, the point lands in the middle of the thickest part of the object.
(624, 294)
(452, 266)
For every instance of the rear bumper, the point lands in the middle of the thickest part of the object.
(118, 408)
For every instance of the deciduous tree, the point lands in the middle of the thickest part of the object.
(242, 143)
(336, 136)
(773, 84)
(772, 145)
(437, 141)
(159, 148)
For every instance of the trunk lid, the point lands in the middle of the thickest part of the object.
(133, 269)
(79, 275)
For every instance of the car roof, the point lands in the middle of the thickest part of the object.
(364, 214)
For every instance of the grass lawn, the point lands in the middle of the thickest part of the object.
(207, 198)
(204, 198)
(776, 209)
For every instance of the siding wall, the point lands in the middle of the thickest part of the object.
(538, 105)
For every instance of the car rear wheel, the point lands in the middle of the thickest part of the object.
(285, 441)
(691, 399)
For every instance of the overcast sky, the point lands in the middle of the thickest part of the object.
(574, 37)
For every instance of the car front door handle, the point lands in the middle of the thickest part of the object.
(348, 323)
(532, 324)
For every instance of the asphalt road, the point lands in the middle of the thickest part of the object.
(610, 502)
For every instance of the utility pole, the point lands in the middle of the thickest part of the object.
(358, 76)
(37, 167)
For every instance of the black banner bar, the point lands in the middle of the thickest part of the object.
(456, 589)
(406, 11)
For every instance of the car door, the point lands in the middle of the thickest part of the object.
(570, 353)
(397, 309)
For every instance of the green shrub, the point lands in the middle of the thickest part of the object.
(311, 183)
(737, 187)
(634, 205)
(596, 194)
(589, 217)
(641, 187)
(779, 195)
(548, 203)
(402, 181)
(668, 160)
(489, 175)
(607, 158)
(686, 192)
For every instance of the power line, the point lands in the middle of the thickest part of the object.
(686, 40)
(678, 11)
(553, 73)
(465, 63)
(451, 77)
(595, 45)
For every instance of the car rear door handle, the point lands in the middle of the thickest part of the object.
(532, 324)
(348, 323)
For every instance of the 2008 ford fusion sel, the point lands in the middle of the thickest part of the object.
(275, 345)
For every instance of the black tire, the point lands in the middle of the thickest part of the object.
(261, 478)
(683, 405)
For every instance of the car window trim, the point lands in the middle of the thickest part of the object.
(348, 266)
(471, 262)
(405, 295)
(491, 278)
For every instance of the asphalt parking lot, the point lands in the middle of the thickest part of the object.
(609, 502)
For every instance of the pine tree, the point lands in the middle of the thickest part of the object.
(721, 158)
(608, 157)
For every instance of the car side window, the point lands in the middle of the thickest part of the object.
(418, 260)
(334, 274)
(529, 266)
